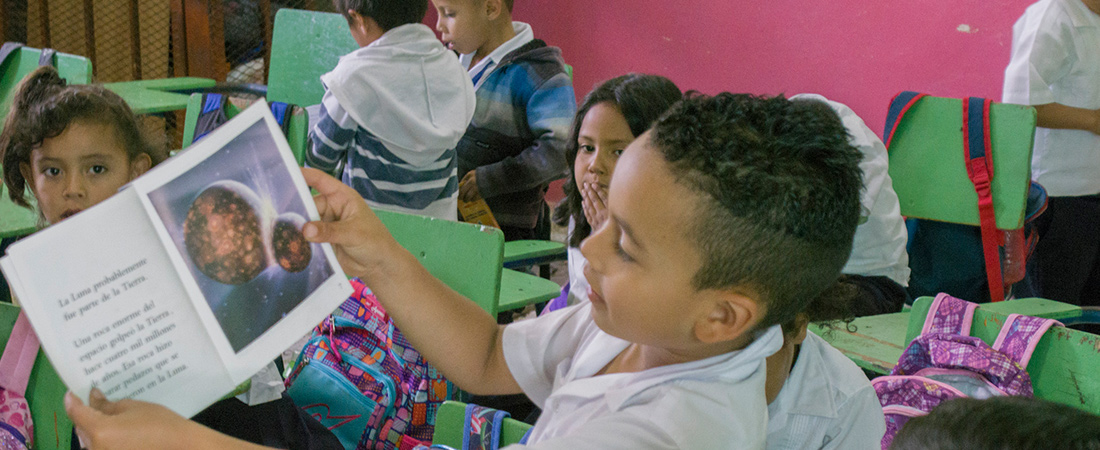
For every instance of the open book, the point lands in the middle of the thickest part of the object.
(189, 280)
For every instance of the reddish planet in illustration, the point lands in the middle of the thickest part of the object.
(292, 250)
(223, 233)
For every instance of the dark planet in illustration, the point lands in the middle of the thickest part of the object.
(223, 233)
(292, 250)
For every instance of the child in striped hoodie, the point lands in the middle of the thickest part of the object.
(393, 111)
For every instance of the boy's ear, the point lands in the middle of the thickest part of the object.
(732, 314)
(139, 165)
(493, 9)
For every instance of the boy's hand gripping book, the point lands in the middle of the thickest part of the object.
(189, 280)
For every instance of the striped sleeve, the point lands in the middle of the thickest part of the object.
(550, 111)
(331, 137)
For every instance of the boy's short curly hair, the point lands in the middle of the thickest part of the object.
(389, 14)
(779, 193)
(998, 423)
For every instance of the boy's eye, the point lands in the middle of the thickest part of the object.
(622, 253)
(98, 169)
(617, 153)
(587, 148)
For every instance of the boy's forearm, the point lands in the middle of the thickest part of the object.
(452, 332)
(1057, 115)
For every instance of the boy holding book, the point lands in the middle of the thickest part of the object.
(724, 220)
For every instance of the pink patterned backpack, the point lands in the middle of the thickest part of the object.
(945, 362)
(16, 430)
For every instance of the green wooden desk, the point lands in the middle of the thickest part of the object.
(519, 289)
(525, 253)
(876, 342)
(166, 84)
(149, 101)
(45, 393)
(15, 220)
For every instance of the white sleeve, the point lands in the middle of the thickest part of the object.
(1042, 53)
(860, 423)
(617, 431)
(535, 349)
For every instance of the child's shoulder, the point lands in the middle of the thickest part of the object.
(821, 363)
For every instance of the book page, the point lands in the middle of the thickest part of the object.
(110, 311)
(230, 210)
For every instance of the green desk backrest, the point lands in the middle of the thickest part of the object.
(464, 256)
(450, 420)
(1063, 368)
(45, 393)
(929, 172)
(297, 131)
(304, 46)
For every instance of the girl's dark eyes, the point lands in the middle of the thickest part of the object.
(98, 169)
(52, 171)
(587, 148)
(618, 152)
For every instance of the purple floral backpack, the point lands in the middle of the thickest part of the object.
(945, 362)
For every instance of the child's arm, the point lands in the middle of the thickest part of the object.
(1057, 115)
(452, 332)
(103, 424)
(331, 136)
(550, 112)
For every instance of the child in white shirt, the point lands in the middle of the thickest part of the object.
(713, 215)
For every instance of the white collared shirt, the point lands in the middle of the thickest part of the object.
(489, 63)
(714, 403)
(826, 403)
(1056, 59)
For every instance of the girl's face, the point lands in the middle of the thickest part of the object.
(603, 135)
(82, 166)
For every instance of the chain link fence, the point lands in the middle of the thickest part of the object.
(135, 39)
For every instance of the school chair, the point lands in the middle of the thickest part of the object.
(16, 220)
(159, 95)
(1063, 367)
(304, 46)
(297, 129)
(450, 422)
(45, 393)
(464, 256)
(875, 343)
(928, 166)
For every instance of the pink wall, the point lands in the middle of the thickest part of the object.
(856, 52)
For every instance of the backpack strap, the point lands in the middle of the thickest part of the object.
(481, 430)
(282, 112)
(977, 150)
(18, 358)
(899, 105)
(46, 57)
(1019, 336)
(211, 117)
(949, 315)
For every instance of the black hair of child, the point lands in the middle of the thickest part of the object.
(43, 107)
(779, 189)
(389, 14)
(997, 423)
(641, 99)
